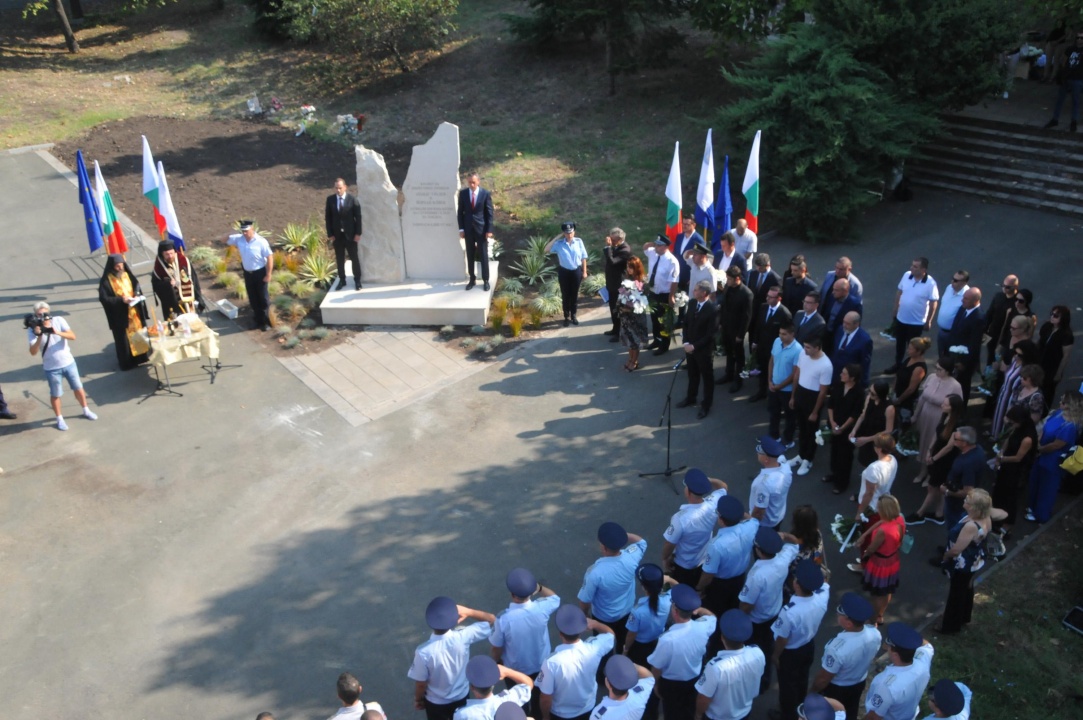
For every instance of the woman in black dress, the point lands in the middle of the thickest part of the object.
(878, 417)
(843, 409)
(939, 460)
(910, 375)
(1013, 462)
(1055, 342)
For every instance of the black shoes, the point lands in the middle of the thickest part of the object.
(341, 284)
(567, 322)
(7, 415)
(614, 339)
(610, 332)
(662, 350)
(703, 412)
(470, 285)
(485, 286)
(736, 386)
(356, 284)
(1051, 124)
(575, 320)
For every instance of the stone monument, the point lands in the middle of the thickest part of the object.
(381, 250)
(430, 229)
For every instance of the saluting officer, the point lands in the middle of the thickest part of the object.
(482, 672)
(629, 686)
(728, 556)
(609, 589)
(795, 633)
(731, 680)
(767, 496)
(520, 636)
(690, 528)
(949, 700)
(568, 679)
(846, 660)
(761, 597)
(678, 659)
(439, 667)
(895, 694)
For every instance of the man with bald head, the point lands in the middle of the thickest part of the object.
(745, 240)
(839, 303)
(852, 345)
(998, 312)
(966, 331)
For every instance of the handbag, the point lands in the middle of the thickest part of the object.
(1073, 463)
(907, 543)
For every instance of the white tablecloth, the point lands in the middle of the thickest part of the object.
(175, 348)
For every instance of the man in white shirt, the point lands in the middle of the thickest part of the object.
(568, 679)
(729, 256)
(895, 694)
(795, 633)
(700, 267)
(731, 679)
(771, 487)
(747, 242)
(520, 636)
(685, 540)
(349, 692)
(950, 302)
(812, 378)
(663, 272)
(482, 672)
(916, 300)
(677, 660)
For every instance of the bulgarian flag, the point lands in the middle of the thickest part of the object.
(751, 187)
(673, 198)
(150, 187)
(112, 234)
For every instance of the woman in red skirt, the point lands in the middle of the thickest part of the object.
(880, 558)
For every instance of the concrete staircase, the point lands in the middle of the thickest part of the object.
(1002, 162)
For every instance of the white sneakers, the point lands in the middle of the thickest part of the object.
(804, 467)
(89, 414)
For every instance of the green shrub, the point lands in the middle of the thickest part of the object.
(592, 284)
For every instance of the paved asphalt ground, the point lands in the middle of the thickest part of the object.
(234, 550)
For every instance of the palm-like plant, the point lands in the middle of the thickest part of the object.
(295, 237)
(533, 269)
(318, 269)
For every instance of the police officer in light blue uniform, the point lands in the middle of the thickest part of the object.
(520, 636)
(731, 679)
(690, 529)
(609, 589)
(950, 700)
(439, 667)
(795, 632)
(729, 556)
(646, 623)
(845, 664)
(818, 707)
(678, 659)
(767, 496)
(761, 597)
(895, 694)
(482, 672)
(568, 678)
(629, 687)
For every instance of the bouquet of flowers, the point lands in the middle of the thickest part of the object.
(680, 299)
(631, 295)
(908, 443)
(750, 366)
(841, 528)
(959, 350)
(823, 435)
(988, 381)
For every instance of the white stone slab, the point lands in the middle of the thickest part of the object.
(412, 302)
(430, 230)
(382, 257)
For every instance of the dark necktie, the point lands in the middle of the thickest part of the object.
(340, 203)
(770, 313)
(654, 271)
(845, 341)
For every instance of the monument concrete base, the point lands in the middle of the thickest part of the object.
(411, 302)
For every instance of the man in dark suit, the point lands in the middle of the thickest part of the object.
(342, 216)
(769, 317)
(617, 253)
(729, 256)
(797, 286)
(839, 304)
(809, 323)
(967, 330)
(736, 314)
(852, 345)
(701, 325)
(760, 280)
(687, 240)
(476, 227)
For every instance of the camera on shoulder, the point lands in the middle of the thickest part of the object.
(32, 321)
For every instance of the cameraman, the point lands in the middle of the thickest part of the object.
(49, 336)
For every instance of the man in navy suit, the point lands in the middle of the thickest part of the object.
(769, 318)
(699, 336)
(476, 227)
(342, 217)
(844, 268)
(839, 303)
(729, 256)
(685, 242)
(967, 330)
(852, 345)
(760, 280)
(808, 323)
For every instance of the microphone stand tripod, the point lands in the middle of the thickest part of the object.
(667, 417)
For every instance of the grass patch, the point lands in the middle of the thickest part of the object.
(1015, 655)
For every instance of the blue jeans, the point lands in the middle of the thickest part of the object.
(56, 378)
(1075, 87)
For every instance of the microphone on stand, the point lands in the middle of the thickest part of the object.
(680, 362)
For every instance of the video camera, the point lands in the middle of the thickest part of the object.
(32, 321)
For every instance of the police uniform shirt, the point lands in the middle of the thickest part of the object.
(570, 255)
(679, 654)
(730, 553)
(609, 585)
(649, 626)
(690, 530)
(669, 271)
(849, 655)
(963, 714)
(355, 711)
(630, 708)
(895, 694)
(441, 660)
(485, 708)
(769, 491)
(570, 675)
(254, 254)
(523, 632)
(732, 681)
(763, 586)
(800, 618)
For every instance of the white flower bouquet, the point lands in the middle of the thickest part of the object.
(843, 530)
(959, 350)
(631, 295)
(680, 299)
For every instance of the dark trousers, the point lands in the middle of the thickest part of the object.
(778, 406)
(842, 461)
(342, 249)
(960, 601)
(903, 335)
(532, 708)
(434, 711)
(659, 305)
(686, 576)
(735, 356)
(678, 698)
(764, 639)
(701, 365)
(569, 289)
(255, 284)
(614, 314)
(803, 404)
(3, 405)
(848, 695)
(793, 669)
(1075, 89)
(965, 375)
(620, 634)
(721, 595)
(762, 360)
(477, 251)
